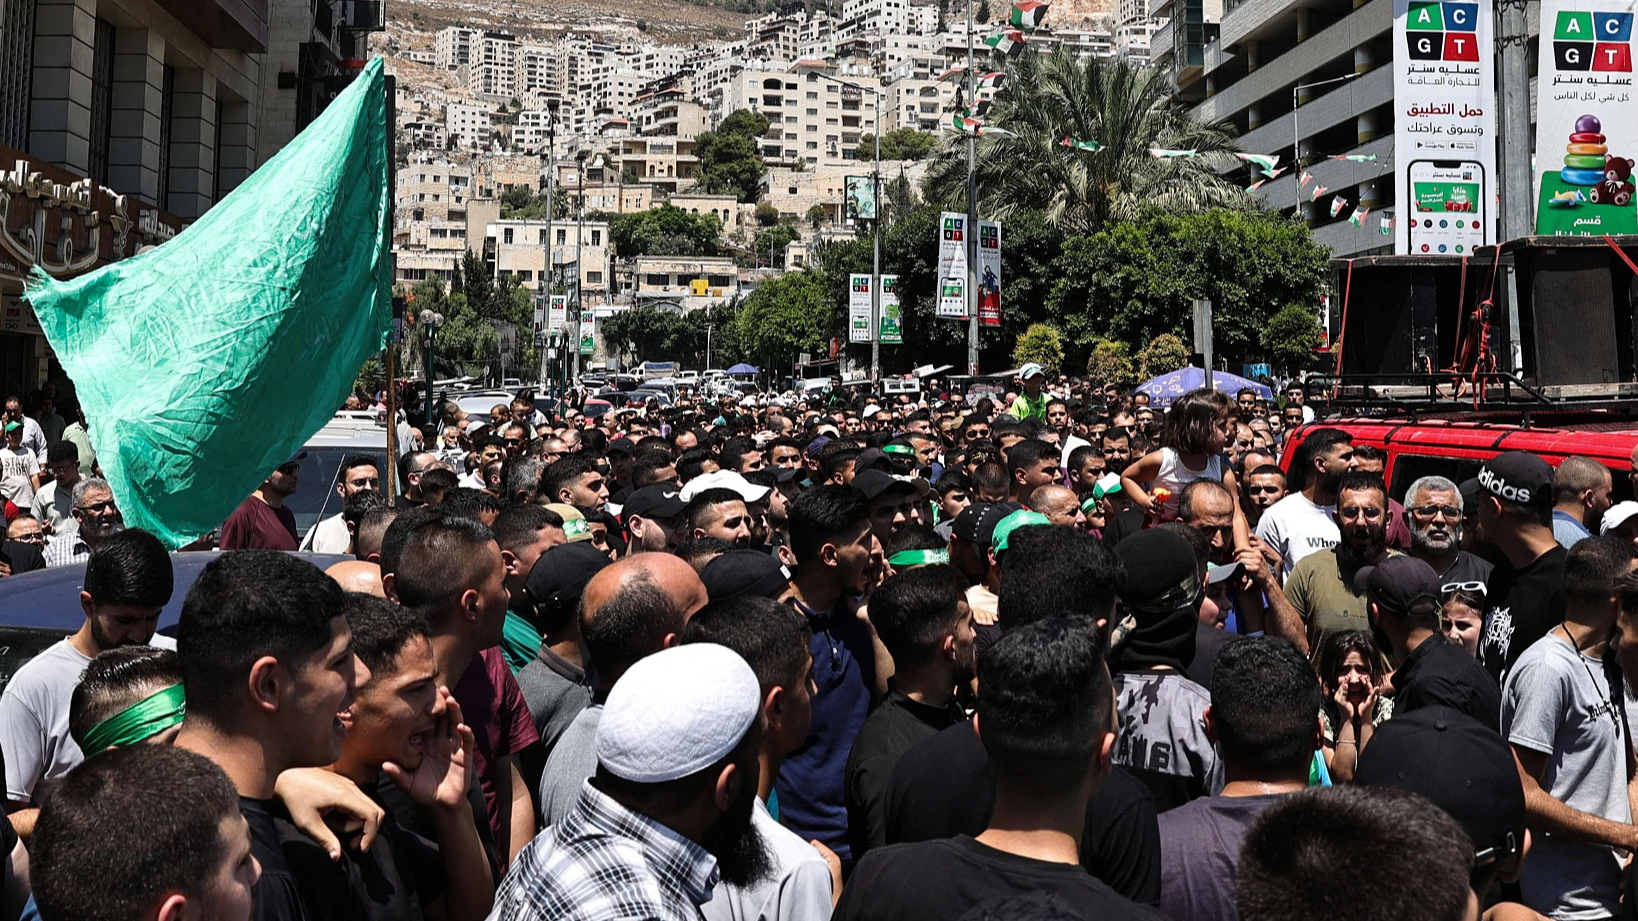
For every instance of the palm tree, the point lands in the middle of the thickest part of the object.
(1125, 108)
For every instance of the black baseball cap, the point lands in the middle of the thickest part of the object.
(1397, 583)
(976, 523)
(869, 458)
(656, 500)
(875, 482)
(621, 445)
(563, 571)
(744, 572)
(1460, 765)
(1518, 477)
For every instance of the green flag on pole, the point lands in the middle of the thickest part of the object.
(208, 361)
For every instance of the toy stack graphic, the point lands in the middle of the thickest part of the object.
(1594, 188)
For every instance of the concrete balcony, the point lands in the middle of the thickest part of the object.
(1160, 44)
(237, 24)
(1280, 74)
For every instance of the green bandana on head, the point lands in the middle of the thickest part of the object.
(140, 721)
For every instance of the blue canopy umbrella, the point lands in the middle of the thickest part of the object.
(1168, 387)
(742, 368)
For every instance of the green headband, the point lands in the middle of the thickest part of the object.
(905, 450)
(148, 717)
(919, 557)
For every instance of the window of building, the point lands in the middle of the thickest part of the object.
(16, 72)
(597, 237)
(102, 100)
(506, 235)
(562, 236)
(594, 278)
(656, 280)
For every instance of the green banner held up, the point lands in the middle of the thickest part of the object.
(206, 362)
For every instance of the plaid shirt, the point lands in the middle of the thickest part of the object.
(65, 549)
(603, 861)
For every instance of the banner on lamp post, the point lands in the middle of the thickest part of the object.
(588, 333)
(557, 312)
(892, 330)
(858, 308)
(989, 273)
(952, 266)
(861, 198)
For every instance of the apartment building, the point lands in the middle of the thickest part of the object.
(518, 248)
(923, 105)
(432, 188)
(452, 47)
(492, 72)
(681, 282)
(469, 126)
(811, 116)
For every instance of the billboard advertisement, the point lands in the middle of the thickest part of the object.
(1585, 108)
(858, 308)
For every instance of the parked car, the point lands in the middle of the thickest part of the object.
(595, 407)
(342, 437)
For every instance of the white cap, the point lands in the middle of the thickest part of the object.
(677, 712)
(723, 479)
(870, 410)
(1617, 515)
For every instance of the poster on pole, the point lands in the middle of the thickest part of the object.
(557, 313)
(1445, 143)
(952, 266)
(1586, 107)
(858, 308)
(861, 198)
(588, 333)
(989, 273)
(892, 325)
(540, 312)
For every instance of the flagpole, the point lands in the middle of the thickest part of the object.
(876, 251)
(395, 319)
(972, 212)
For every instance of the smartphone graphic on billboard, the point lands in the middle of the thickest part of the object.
(1448, 207)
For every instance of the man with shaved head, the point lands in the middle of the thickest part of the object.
(1059, 504)
(358, 576)
(632, 609)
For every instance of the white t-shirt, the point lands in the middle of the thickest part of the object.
(1296, 527)
(16, 467)
(1070, 444)
(34, 719)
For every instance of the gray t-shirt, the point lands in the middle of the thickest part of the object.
(16, 467)
(798, 889)
(556, 692)
(1296, 527)
(55, 506)
(573, 760)
(1556, 701)
(34, 720)
(1200, 854)
(1163, 728)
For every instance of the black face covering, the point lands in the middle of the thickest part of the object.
(1164, 631)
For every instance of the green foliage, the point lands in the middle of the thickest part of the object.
(1137, 279)
(816, 216)
(766, 214)
(767, 244)
(900, 144)
(1291, 337)
(1164, 354)
(1126, 108)
(983, 12)
(665, 231)
(648, 333)
(642, 25)
(1042, 345)
(521, 204)
(465, 343)
(729, 161)
(371, 377)
(1111, 362)
(797, 312)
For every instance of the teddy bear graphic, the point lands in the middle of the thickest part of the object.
(1617, 187)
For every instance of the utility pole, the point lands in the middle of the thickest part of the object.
(549, 273)
(972, 213)
(1517, 180)
(876, 247)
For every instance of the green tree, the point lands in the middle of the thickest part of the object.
(1126, 108)
(900, 144)
(766, 214)
(767, 245)
(785, 316)
(475, 284)
(1042, 345)
(1164, 353)
(983, 12)
(1137, 279)
(665, 231)
(1111, 362)
(816, 216)
(1290, 338)
(730, 163)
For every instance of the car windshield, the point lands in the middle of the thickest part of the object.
(315, 496)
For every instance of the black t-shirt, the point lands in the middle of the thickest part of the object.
(946, 878)
(1439, 673)
(943, 787)
(404, 503)
(412, 818)
(394, 881)
(893, 728)
(1467, 569)
(278, 898)
(1122, 525)
(1209, 642)
(1524, 604)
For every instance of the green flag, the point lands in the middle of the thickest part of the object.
(206, 362)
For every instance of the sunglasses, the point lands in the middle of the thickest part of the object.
(1449, 587)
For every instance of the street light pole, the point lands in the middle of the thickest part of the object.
(547, 273)
(972, 213)
(1296, 135)
(432, 320)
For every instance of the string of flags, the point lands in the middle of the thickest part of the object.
(1358, 217)
(1253, 187)
(1080, 145)
(987, 80)
(1305, 179)
(1161, 153)
(1318, 191)
(1264, 162)
(1355, 158)
(1009, 43)
(1337, 204)
(1028, 14)
(1387, 224)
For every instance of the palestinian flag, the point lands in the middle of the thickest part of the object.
(1251, 189)
(992, 80)
(1356, 158)
(964, 124)
(1318, 191)
(1358, 217)
(1080, 145)
(1387, 224)
(1009, 43)
(1275, 174)
(1307, 177)
(952, 72)
(1337, 204)
(992, 131)
(1029, 14)
(1264, 162)
(1161, 153)
(979, 109)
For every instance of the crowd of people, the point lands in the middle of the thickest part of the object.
(1059, 655)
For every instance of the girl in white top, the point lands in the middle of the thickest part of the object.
(1199, 426)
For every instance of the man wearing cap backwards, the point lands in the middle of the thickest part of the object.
(262, 521)
(923, 619)
(1527, 586)
(1262, 716)
(1464, 768)
(773, 640)
(970, 539)
(1403, 594)
(1561, 715)
(1047, 723)
(1032, 403)
(628, 611)
(669, 812)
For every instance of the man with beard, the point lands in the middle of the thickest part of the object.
(1260, 489)
(923, 619)
(720, 513)
(1434, 508)
(773, 640)
(1322, 588)
(359, 473)
(96, 518)
(261, 522)
(1433, 672)
(1305, 522)
(127, 580)
(669, 812)
(1047, 721)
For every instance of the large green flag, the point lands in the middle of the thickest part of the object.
(206, 362)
